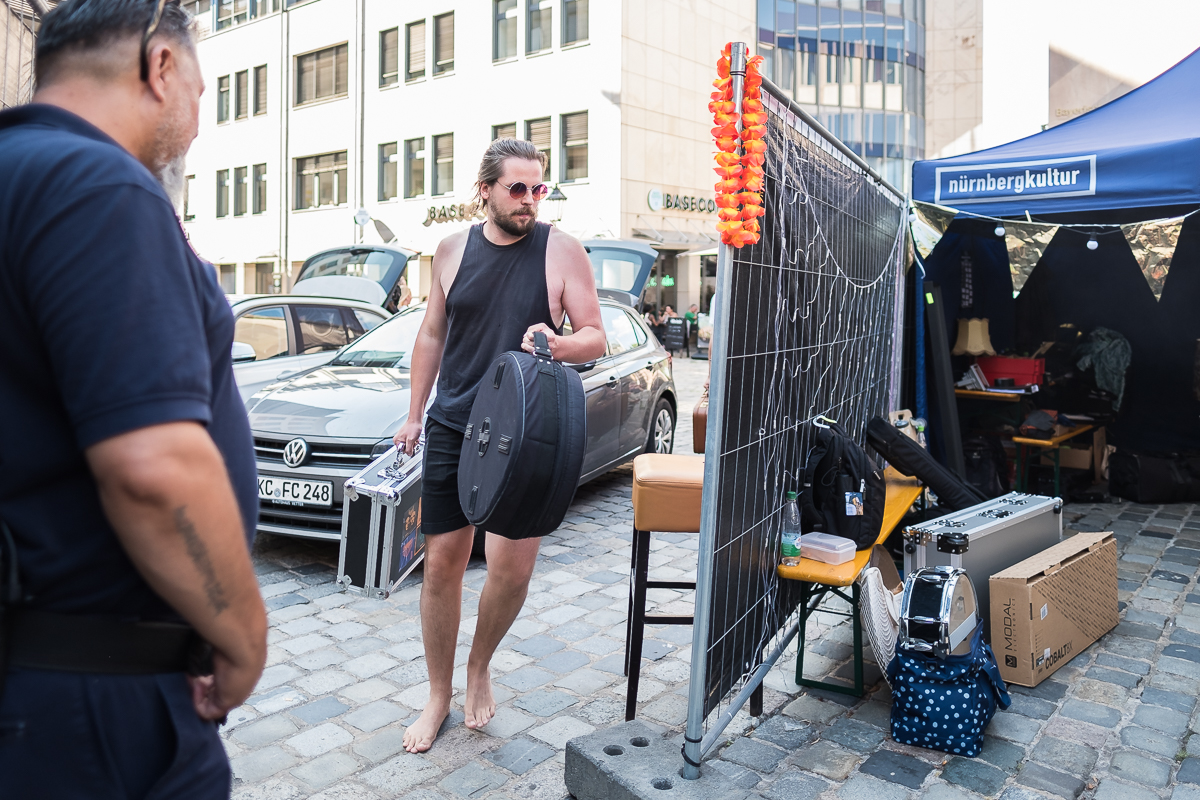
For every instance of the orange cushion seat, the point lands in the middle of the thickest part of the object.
(667, 490)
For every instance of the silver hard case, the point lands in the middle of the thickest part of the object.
(999, 533)
(381, 526)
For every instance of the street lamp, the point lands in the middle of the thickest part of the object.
(557, 198)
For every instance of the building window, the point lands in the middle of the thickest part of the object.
(538, 132)
(575, 146)
(537, 29)
(575, 21)
(389, 57)
(222, 99)
(443, 43)
(387, 171)
(241, 98)
(321, 180)
(188, 216)
(414, 167)
(504, 40)
(240, 187)
(414, 56)
(196, 7)
(506, 131)
(264, 283)
(260, 90)
(222, 193)
(228, 274)
(443, 164)
(259, 175)
(321, 74)
(232, 12)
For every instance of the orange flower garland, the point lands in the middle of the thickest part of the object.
(739, 191)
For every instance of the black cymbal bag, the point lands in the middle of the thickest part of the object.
(522, 452)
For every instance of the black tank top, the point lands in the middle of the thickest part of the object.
(498, 293)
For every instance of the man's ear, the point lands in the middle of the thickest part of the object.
(164, 67)
(484, 191)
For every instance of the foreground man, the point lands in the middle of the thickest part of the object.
(493, 286)
(126, 465)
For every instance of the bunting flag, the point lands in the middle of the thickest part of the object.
(929, 226)
(1153, 245)
(1025, 243)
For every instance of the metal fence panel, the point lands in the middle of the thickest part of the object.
(812, 325)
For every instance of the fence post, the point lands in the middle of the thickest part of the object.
(694, 733)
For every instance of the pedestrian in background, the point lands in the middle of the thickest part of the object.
(127, 473)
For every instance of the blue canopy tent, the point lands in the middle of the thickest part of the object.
(1134, 159)
(1141, 151)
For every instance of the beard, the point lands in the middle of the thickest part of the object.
(513, 224)
(168, 162)
(170, 176)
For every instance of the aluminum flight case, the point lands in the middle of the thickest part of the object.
(381, 525)
(985, 539)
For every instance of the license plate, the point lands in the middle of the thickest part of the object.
(294, 492)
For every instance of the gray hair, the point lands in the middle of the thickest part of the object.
(87, 26)
(499, 151)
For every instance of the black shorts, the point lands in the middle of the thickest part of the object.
(440, 509)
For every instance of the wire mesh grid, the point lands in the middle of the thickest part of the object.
(18, 37)
(813, 330)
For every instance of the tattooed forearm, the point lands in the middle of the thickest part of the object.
(198, 551)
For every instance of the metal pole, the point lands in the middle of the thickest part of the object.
(755, 681)
(693, 735)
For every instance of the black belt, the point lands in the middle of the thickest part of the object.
(101, 644)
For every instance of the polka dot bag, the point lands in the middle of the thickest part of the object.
(946, 703)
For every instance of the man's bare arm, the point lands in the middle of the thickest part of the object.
(167, 494)
(579, 301)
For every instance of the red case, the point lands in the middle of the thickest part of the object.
(1023, 371)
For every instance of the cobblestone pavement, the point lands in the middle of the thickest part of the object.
(345, 675)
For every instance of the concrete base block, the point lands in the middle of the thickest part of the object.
(630, 761)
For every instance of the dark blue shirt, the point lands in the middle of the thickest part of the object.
(111, 323)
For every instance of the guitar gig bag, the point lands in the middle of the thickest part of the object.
(522, 452)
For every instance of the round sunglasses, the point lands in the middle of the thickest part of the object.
(518, 189)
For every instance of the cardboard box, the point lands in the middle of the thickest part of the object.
(1051, 606)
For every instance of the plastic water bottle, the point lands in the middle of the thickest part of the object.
(790, 542)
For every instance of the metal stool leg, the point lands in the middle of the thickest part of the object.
(858, 645)
(637, 618)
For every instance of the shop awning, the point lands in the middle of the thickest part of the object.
(1140, 151)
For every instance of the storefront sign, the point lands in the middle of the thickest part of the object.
(657, 200)
(1023, 180)
(462, 211)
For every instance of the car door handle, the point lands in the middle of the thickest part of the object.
(612, 378)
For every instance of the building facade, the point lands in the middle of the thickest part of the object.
(322, 110)
(858, 66)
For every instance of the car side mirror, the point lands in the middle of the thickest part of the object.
(587, 366)
(243, 353)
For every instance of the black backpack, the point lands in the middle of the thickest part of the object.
(522, 452)
(843, 491)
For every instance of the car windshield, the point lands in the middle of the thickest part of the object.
(390, 345)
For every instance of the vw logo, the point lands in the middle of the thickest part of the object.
(295, 453)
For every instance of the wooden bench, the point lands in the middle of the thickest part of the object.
(1052, 444)
(819, 580)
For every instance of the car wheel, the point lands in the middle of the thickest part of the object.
(662, 429)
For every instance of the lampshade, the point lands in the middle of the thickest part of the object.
(973, 338)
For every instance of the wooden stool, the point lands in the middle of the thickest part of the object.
(666, 497)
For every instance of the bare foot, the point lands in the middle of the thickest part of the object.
(479, 706)
(420, 735)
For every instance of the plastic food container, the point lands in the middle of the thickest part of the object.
(827, 548)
